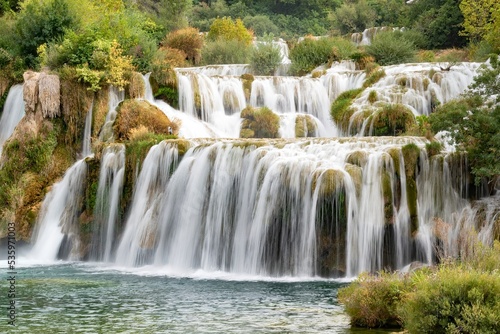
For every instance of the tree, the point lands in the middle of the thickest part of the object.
(353, 16)
(227, 29)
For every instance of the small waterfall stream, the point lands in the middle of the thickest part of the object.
(56, 234)
(13, 112)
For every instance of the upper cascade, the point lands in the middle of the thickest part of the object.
(217, 94)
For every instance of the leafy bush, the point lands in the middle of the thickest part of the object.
(310, 53)
(164, 63)
(453, 300)
(187, 40)
(261, 25)
(391, 47)
(227, 29)
(265, 59)
(225, 52)
(450, 115)
(372, 301)
(353, 16)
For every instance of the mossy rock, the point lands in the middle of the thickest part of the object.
(392, 120)
(330, 181)
(356, 173)
(305, 126)
(411, 196)
(411, 153)
(100, 111)
(136, 87)
(358, 158)
(373, 77)
(395, 155)
(387, 193)
(133, 114)
(262, 121)
(247, 80)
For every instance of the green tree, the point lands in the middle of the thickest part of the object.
(40, 22)
(227, 29)
(353, 16)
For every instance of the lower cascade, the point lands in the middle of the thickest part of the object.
(302, 208)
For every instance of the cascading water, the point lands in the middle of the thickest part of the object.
(115, 96)
(283, 208)
(56, 234)
(13, 112)
(109, 191)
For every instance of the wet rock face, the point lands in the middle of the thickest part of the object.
(43, 91)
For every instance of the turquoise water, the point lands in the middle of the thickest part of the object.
(84, 298)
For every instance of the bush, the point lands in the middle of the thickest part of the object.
(225, 52)
(187, 40)
(372, 301)
(340, 110)
(260, 25)
(448, 116)
(227, 29)
(163, 65)
(310, 53)
(265, 59)
(391, 47)
(453, 300)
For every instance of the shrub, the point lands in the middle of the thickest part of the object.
(448, 116)
(187, 40)
(433, 148)
(227, 29)
(371, 301)
(259, 123)
(373, 77)
(163, 65)
(391, 47)
(453, 300)
(225, 52)
(265, 59)
(260, 25)
(310, 53)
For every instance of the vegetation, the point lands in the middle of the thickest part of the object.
(392, 47)
(265, 58)
(457, 296)
(392, 120)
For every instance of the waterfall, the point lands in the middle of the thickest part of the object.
(86, 146)
(329, 207)
(115, 96)
(109, 191)
(13, 112)
(56, 234)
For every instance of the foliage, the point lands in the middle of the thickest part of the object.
(478, 18)
(439, 21)
(340, 110)
(453, 300)
(41, 22)
(353, 16)
(225, 52)
(391, 47)
(163, 65)
(374, 76)
(265, 58)
(168, 94)
(433, 148)
(371, 301)
(187, 40)
(311, 53)
(261, 25)
(259, 123)
(227, 29)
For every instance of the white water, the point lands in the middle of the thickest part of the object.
(249, 210)
(58, 218)
(109, 192)
(115, 96)
(56, 232)
(13, 112)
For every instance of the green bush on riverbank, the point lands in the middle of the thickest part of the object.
(459, 296)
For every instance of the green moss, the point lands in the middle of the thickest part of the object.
(169, 95)
(410, 153)
(373, 78)
(411, 196)
(331, 180)
(340, 109)
(247, 133)
(394, 153)
(392, 120)
(433, 148)
(262, 121)
(387, 193)
(372, 96)
(304, 126)
(356, 174)
(357, 158)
